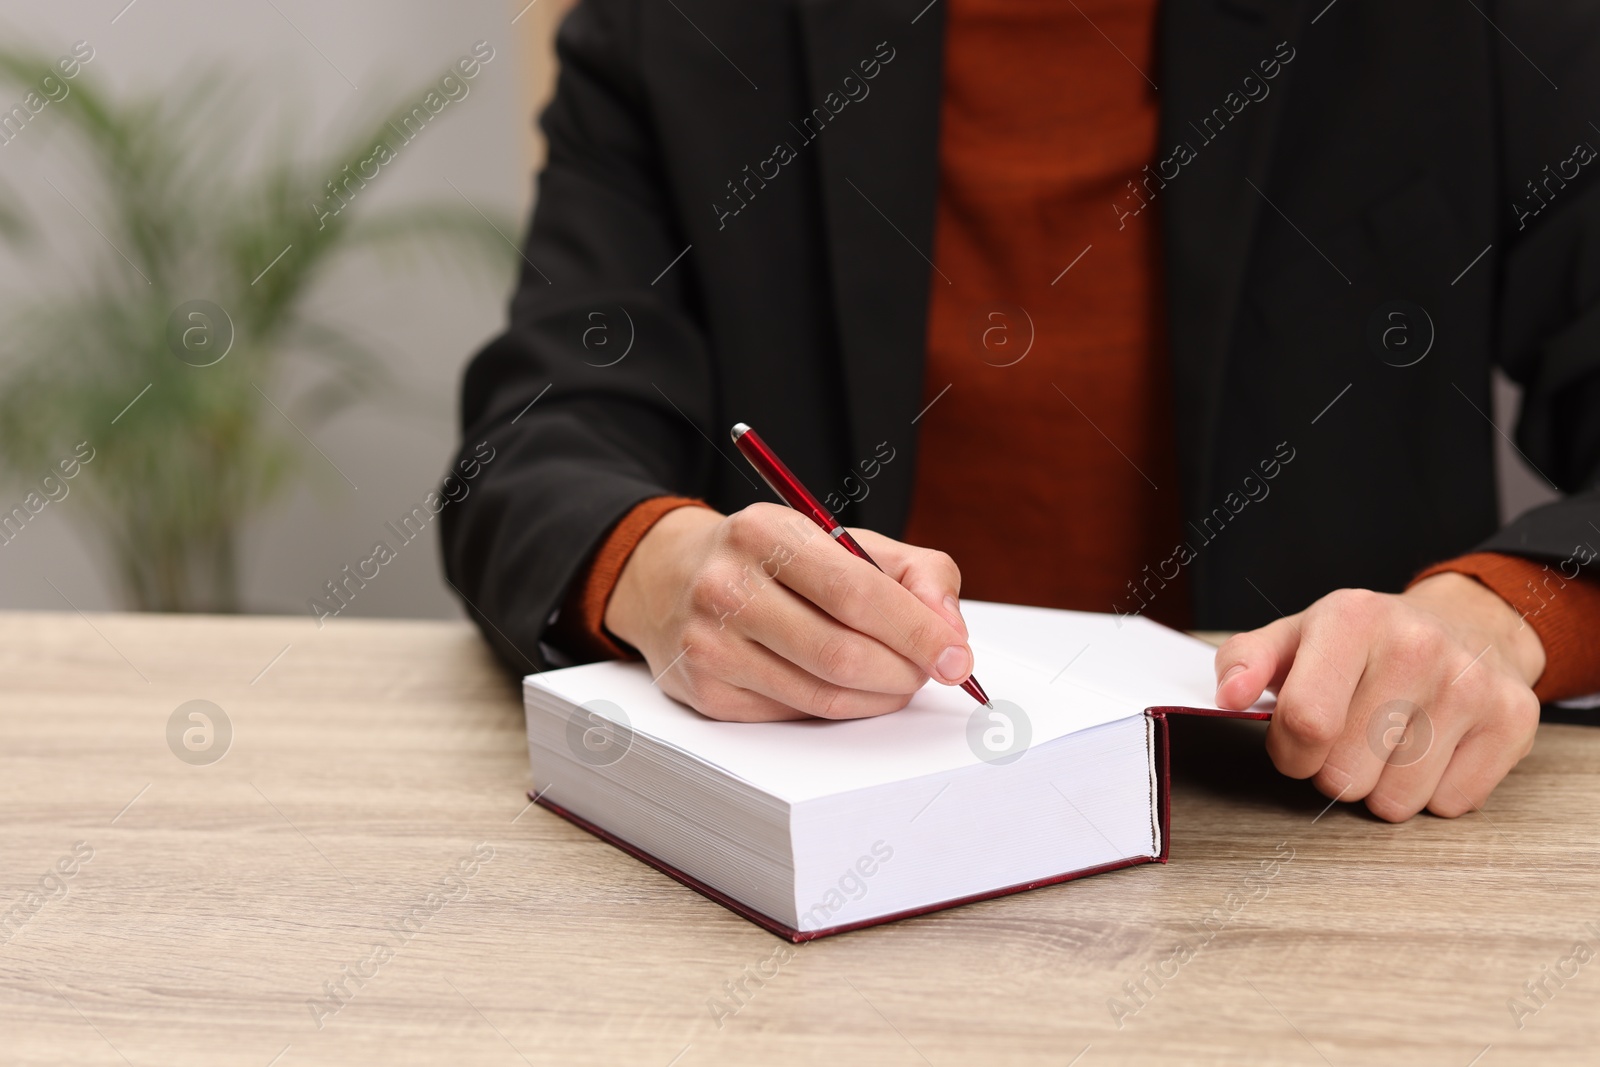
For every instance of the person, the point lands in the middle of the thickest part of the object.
(1187, 310)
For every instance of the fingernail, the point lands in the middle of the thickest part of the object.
(954, 608)
(1229, 673)
(954, 663)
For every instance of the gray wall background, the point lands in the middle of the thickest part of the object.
(305, 54)
(428, 321)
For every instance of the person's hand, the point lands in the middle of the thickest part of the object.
(760, 615)
(1409, 701)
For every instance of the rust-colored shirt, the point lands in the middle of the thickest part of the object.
(1048, 468)
(1045, 318)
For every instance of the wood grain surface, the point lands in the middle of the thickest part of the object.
(369, 819)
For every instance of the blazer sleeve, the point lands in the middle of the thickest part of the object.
(1549, 312)
(591, 396)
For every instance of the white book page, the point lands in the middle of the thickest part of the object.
(1052, 672)
(1127, 658)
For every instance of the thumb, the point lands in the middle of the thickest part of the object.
(930, 576)
(1255, 661)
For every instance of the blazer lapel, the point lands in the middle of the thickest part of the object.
(1208, 48)
(877, 159)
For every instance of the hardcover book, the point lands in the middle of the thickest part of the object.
(815, 827)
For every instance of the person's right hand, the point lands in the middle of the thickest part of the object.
(760, 615)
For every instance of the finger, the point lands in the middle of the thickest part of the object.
(1404, 788)
(1484, 757)
(1380, 729)
(729, 703)
(1314, 698)
(1250, 663)
(867, 600)
(760, 672)
(931, 576)
(717, 699)
(796, 630)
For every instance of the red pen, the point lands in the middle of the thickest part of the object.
(788, 487)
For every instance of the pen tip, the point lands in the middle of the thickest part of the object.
(739, 430)
(989, 704)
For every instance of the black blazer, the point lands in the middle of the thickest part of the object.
(735, 217)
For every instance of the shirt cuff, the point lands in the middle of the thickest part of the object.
(1564, 611)
(580, 627)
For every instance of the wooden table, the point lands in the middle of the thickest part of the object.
(370, 759)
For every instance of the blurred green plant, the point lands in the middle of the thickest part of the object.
(183, 220)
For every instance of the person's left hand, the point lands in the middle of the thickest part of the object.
(1418, 700)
